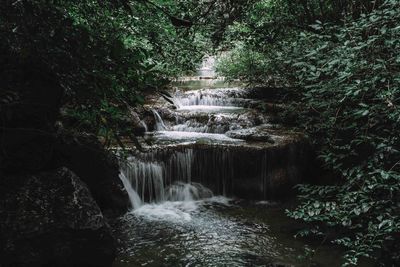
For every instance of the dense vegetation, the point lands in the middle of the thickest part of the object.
(105, 54)
(342, 59)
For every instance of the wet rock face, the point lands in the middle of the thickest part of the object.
(51, 219)
(96, 167)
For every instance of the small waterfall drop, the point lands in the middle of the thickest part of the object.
(149, 181)
(187, 192)
(136, 202)
(146, 178)
(160, 126)
(199, 98)
(163, 191)
(211, 97)
(190, 126)
(146, 129)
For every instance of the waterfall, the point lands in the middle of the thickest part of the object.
(159, 122)
(146, 178)
(195, 156)
(152, 182)
(200, 98)
(146, 129)
(177, 102)
(190, 126)
(215, 124)
(168, 174)
(187, 192)
(207, 68)
(177, 175)
(136, 202)
(211, 97)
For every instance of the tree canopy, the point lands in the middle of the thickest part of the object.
(105, 54)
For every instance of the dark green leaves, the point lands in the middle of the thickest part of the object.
(346, 73)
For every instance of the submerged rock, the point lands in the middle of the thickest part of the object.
(51, 219)
(260, 133)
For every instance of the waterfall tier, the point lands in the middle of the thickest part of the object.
(239, 171)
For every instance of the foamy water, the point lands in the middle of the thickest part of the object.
(193, 136)
(208, 108)
(176, 211)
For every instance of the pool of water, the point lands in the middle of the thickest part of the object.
(216, 232)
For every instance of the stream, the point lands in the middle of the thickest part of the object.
(214, 185)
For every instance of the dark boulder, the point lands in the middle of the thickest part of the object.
(29, 103)
(51, 219)
(98, 168)
(28, 150)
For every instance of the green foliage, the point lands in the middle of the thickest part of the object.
(106, 54)
(237, 63)
(351, 91)
(307, 256)
(347, 75)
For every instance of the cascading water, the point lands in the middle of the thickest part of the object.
(214, 111)
(146, 178)
(187, 192)
(146, 129)
(216, 143)
(228, 97)
(155, 199)
(226, 170)
(166, 187)
(212, 158)
(136, 202)
(191, 126)
(159, 121)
